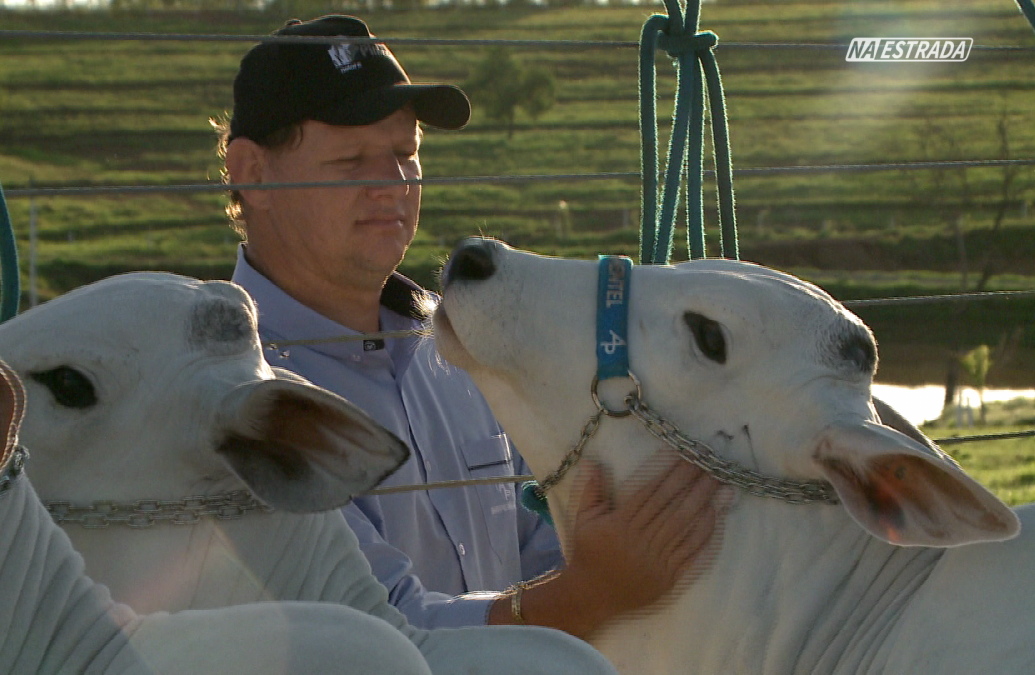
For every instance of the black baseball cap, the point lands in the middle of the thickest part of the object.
(281, 83)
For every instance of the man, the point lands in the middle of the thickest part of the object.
(321, 262)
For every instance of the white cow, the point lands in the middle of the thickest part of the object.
(55, 620)
(150, 391)
(774, 376)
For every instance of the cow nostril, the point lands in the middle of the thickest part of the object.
(473, 260)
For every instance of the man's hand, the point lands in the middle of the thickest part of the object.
(630, 555)
(626, 556)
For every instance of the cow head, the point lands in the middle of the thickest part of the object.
(766, 369)
(154, 386)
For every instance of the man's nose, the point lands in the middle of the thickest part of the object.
(390, 176)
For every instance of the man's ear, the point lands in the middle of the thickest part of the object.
(245, 162)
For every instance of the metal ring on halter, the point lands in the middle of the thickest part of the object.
(632, 397)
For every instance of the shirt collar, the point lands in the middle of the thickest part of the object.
(284, 318)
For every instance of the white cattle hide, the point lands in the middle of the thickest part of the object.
(151, 386)
(55, 620)
(916, 570)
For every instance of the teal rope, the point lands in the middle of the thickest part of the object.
(649, 137)
(693, 54)
(1028, 9)
(10, 290)
(729, 246)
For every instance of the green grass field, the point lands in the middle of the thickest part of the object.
(135, 112)
(105, 112)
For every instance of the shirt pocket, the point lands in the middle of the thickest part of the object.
(485, 458)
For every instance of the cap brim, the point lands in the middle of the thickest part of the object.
(439, 105)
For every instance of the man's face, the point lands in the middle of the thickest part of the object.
(347, 236)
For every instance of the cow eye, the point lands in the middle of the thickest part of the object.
(708, 336)
(69, 387)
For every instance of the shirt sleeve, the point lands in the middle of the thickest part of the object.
(423, 608)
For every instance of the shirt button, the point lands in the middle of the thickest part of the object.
(357, 358)
(460, 547)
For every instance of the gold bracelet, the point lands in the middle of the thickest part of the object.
(515, 603)
(515, 595)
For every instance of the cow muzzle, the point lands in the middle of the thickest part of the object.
(473, 259)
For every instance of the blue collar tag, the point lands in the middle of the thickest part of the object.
(613, 316)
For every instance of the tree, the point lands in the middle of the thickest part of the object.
(501, 84)
(976, 363)
(951, 195)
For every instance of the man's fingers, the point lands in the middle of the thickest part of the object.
(682, 487)
(594, 498)
(690, 514)
(681, 520)
(680, 552)
(701, 543)
(676, 472)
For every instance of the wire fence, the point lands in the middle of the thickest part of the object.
(91, 190)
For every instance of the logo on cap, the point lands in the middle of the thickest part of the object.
(341, 54)
(345, 55)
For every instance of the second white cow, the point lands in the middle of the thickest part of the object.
(54, 620)
(150, 403)
(899, 562)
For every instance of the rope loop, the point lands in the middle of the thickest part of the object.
(678, 45)
(696, 73)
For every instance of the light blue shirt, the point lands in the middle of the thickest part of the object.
(435, 550)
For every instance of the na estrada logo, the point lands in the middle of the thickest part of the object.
(909, 49)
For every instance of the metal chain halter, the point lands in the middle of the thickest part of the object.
(13, 469)
(149, 512)
(731, 473)
(575, 454)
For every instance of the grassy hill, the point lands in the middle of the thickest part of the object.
(135, 112)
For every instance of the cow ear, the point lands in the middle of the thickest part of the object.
(902, 492)
(304, 449)
(890, 417)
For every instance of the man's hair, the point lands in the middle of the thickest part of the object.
(281, 138)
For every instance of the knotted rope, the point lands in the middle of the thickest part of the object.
(692, 51)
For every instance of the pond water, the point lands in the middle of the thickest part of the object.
(924, 403)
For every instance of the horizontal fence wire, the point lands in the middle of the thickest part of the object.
(956, 440)
(874, 302)
(84, 190)
(924, 299)
(93, 190)
(429, 42)
(495, 480)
